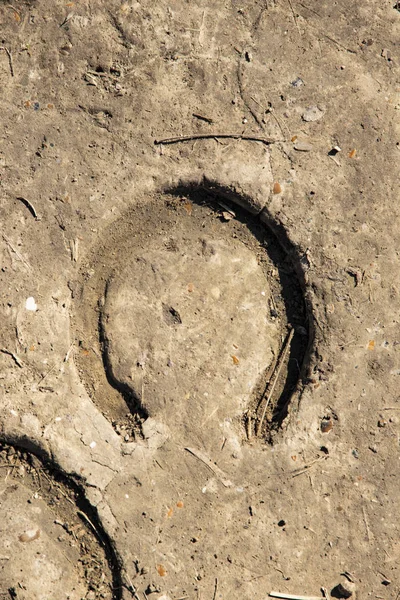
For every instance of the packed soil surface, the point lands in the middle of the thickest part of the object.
(199, 289)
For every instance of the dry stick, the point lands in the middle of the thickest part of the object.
(213, 468)
(310, 9)
(132, 588)
(243, 94)
(278, 369)
(328, 37)
(210, 136)
(271, 111)
(21, 258)
(215, 588)
(9, 59)
(43, 377)
(294, 16)
(293, 596)
(74, 245)
(366, 524)
(306, 467)
(59, 488)
(201, 118)
(248, 426)
(86, 518)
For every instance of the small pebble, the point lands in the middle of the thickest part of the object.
(303, 146)
(281, 523)
(334, 151)
(297, 82)
(326, 425)
(344, 590)
(312, 113)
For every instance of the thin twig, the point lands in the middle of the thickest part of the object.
(260, 15)
(294, 17)
(276, 373)
(248, 426)
(243, 94)
(213, 467)
(74, 245)
(59, 488)
(225, 207)
(43, 377)
(10, 62)
(13, 356)
(366, 524)
(293, 596)
(304, 469)
(271, 111)
(86, 518)
(310, 9)
(131, 588)
(215, 588)
(210, 136)
(201, 118)
(21, 258)
(331, 39)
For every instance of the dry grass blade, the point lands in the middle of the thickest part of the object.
(21, 258)
(276, 374)
(10, 62)
(213, 467)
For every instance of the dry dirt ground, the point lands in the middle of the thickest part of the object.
(200, 339)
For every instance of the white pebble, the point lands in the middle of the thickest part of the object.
(30, 304)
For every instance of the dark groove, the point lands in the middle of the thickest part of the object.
(132, 401)
(82, 503)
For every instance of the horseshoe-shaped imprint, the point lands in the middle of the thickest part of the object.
(188, 301)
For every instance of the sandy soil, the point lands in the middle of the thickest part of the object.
(199, 339)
